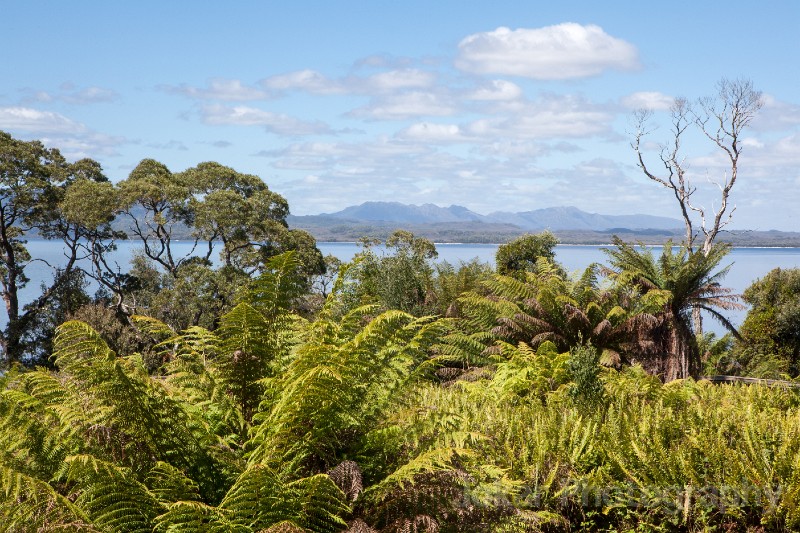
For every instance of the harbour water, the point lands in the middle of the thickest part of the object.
(747, 264)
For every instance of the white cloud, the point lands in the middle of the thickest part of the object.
(527, 150)
(408, 78)
(553, 116)
(406, 105)
(430, 132)
(306, 80)
(218, 115)
(776, 115)
(557, 52)
(89, 144)
(219, 89)
(382, 82)
(90, 95)
(648, 100)
(67, 92)
(496, 90)
(36, 121)
(169, 145)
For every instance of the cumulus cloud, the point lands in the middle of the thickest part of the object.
(70, 94)
(559, 52)
(496, 90)
(430, 132)
(219, 115)
(305, 80)
(648, 100)
(776, 115)
(408, 78)
(35, 121)
(406, 105)
(218, 89)
(553, 116)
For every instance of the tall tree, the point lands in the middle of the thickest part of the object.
(522, 253)
(770, 343)
(399, 280)
(722, 119)
(219, 210)
(37, 189)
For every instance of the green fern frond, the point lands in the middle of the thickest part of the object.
(321, 504)
(30, 504)
(110, 495)
(169, 484)
(197, 517)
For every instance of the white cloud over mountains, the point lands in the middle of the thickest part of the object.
(74, 139)
(220, 115)
(218, 89)
(559, 52)
(652, 100)
(36, 121)
(404, 105)
(67, 92)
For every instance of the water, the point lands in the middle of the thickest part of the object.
(747, 264)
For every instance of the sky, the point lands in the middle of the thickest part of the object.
(501, 106)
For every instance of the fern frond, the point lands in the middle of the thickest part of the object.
(30, 504)
(110, 495)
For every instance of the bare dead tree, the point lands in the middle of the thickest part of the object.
(722, 119)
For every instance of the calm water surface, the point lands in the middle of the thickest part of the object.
(747, 264)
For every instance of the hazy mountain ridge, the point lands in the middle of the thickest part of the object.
(553, 218)
(459, 224)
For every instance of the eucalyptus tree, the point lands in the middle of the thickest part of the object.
(399, 280)
(522, 253)
(721, 119)
(43, 195)
(216, 209)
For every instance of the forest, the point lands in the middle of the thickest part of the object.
(254, 385)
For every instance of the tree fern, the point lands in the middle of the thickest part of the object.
(30, 504)
(110, 495)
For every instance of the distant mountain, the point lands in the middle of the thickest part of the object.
(411, 214)
(572, 218)
(553, 218)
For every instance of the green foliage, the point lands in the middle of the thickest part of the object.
(37, 189)
(402, 280)
(583, 368)
(369, 416)
(683, 281)
(523, 253)
(449, 283)
(770, 334)
(546, 306)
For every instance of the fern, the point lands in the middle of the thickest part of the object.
(30, 504)
(110, 495)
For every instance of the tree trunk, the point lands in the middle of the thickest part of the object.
(697, 321)
(681, 359)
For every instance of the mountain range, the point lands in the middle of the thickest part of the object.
(552, 218)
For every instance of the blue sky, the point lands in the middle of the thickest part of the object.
(512, 105)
